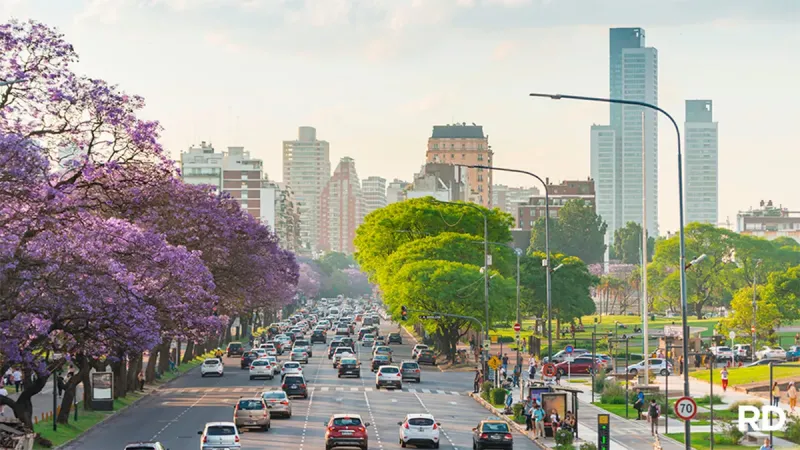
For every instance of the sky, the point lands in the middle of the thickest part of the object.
(374, 76)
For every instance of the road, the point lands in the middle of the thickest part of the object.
(174, 415)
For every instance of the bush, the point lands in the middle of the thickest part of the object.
(505, 339)
(588, 446)
(519, 409)
(730, 434)
(735, 406)
(564, 439)
(793, 429)
(705, 400)
(486, 389)
(613, 394)
(498, 396)
(599, 385)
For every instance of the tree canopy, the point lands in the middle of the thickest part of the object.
(628, 244)
(571, 283)
(578, 231)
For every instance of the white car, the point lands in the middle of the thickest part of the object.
(722, 353)
(415, 351)
(368, 340)
(291, 368)
(212, 366)
(261, 368)
(389, 376)
(270, 349)
(276, 366)
(419, 430)
(768, 352)
(657, 365)
(219, 435)
(262, 353)
(300, 356)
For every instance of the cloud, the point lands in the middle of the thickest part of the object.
(224, 41)
(508, 3)
(104, 11)
(503, 50)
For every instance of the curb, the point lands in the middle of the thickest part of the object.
(510, 422)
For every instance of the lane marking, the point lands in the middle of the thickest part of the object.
(178, 417)
(305, 423)
(442, 432)
(372, 419)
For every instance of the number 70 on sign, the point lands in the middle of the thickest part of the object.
(685, 408)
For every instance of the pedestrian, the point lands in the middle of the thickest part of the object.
(516, 372)
(558, 377)
(766, 445)
(509, 401)
(638, 405)
(476, 385)
(792, 394)
(140, 379)
(724, 377)
(653, 413)
(680, 365)
(532, 370)
(61, 385)
(776, 394)
(555, 421)
(505, 362)
(17, 376)
(3, 393)
(527, 411)
(538, 422)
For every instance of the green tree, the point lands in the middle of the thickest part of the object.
(768, 317)
(338, 260)
(448, 287)
(628, 243)
(578, 231)
(571, 297)
(783, 290)
(388, 228)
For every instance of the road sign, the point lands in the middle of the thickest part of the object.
(517, 327)
(495, 363)
(487, 345)
(752, 329)
(685, 408)
(603, 432)
(430, 317)
(549, 370)
(732, 335)
(569, 349)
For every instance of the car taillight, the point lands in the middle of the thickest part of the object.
(435, 426)
(303, 386)
(362, 429)
(283, 386)
(205, 439)
(252, 367)
(508, 436)
(285, 402)
(405, 425)
(416, 370)
(331, 428)
(236, 438)
(484, 436)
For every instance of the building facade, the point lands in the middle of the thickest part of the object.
(604, 169)
(202, 165)
(340, 207)
(620, 39)
(288, 219)
(444, 182)
(701, 156)
(374, 192)
(508, 198)
(464, 144)
(306, 170)
(396, 191)
(769, 222)
(559, 195)
(242, 177)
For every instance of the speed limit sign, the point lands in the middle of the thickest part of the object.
(685, 408)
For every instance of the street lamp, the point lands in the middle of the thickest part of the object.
(546, 261)
(10, 82)
(684, 305)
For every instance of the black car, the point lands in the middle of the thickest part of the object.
(426, 357)
(235, 349)
(380, 360)
(395, 338)
(247, 358)
(319, 336)
(332, 348)
(492, 434)
(348, 341)
(295, 385)
(349, 366)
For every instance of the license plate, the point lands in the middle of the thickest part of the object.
(294, 386)
(347, 432)
(422, 429)
(494, 436)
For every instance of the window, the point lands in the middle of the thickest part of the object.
(251, 405)
(346, 422)
(480, 157)
(221, 430)
(420, 422)
(452, 156)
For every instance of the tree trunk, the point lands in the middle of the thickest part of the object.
(23, 407)
(178, 352)
(70, 388)
(188, 355)
(132, 383)
(150, 370)
(163, 358)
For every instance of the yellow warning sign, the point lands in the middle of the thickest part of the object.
(495, 363)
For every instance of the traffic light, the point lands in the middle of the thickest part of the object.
(404, 312)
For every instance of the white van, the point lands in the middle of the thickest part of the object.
(334, 312)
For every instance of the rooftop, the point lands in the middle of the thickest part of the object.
(457, 131)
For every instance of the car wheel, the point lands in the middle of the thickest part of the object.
(402, 444)
(664, 372)
(634, 372)
(222, 374)
(435, 445)
(339, 375)
(202, 375)
(378, 387)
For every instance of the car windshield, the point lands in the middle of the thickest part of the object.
(298, 352)
(724, 349)
(369, 336)
(495, 428)
(346, 422)
(426, 352)
(251, 405)
(274, 395)
(141, 447)
(422, 347)
(420, 422)
(211, 362)
(260, 363)
(381, 358)
(349, 361)
(221, 430)
(389, 370)
(235, 345)
(291, 365)
(293, 380)
(410, 365)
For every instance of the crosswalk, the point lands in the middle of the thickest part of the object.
(242, 390)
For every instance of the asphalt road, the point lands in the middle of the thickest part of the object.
(175, 414)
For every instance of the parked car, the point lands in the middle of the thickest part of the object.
(234, 349)
(742, 352)
(419, 430)
(252, 413)
(212, 366)
(426, 357)
(217, 435)
(793, 353)
(492, 434)
(346, 430)
(768, 352)
(658, 365)
(766, 361)
(295, 385)
(410, 371)
(349, 366)
(580, 365)
(395, 338)
(722, 353)
(563, 355)
(389, 376)
(279, 402)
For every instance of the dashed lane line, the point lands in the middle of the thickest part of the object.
(372, 419)
(308, 409)
(441, 429)
(178, 417)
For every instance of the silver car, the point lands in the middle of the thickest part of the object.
(217, 435)
(279, 402)
(410, 371)
(252, 412)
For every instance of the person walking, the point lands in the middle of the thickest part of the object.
(140, 379)
(652, 414)
(528, 413)
(723, 375)
(538, 422)
(766, 445)
(776, 394)
(17, 376)
(638, 405)
(4, 393)
(505, 362)
(680, 365)
(476, 386)
(516, 372)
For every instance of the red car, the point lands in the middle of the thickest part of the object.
(580, 365)
(346, 430)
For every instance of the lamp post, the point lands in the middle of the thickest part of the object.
(684, 305)
(10, 82)
(755, 309)
(546, 261)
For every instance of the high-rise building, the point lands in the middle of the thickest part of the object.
(242, 177)
(619, 40)
(464, 144)
(340, 209)
(287, 225)
(373, 190)
(395, 191)
(444, 182)
(559, 195)
(769, 222)
(604, 169)
(202, 165)
(306, 170)
(702, 163)
(640, 137)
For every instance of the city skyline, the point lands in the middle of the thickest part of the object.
(546, 137)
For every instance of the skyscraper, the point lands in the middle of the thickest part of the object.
(306, 170)
(701, 153)
(464, 144)
(374, 191)
(340, 209)
(604, 169)
(619, 40)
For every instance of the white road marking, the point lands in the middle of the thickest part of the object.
(339, 389)
(426, 391)
(372, 419)
(178, 417)
(324, 388)
(441, 429)
(413, 391)
(439, 391)
(394, 400)
(238, 390)
(353, 389)
(367, 389)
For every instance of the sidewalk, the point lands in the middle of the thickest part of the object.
(43, 401)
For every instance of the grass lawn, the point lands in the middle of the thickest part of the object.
(745, 375)
(701, 441)
(617, 409)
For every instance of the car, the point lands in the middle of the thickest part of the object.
(332, 348)
(346, 430)
(276, 365)
(151, 445)
(343, 331)
(319, 336)
(234, 349)
(580, 365)
(742, 352)
(383, 350)
(365, 330)
(291, 368)
(562, 355)
(349, 366)
(252, 413)
(419, 430)
(295, 385)
(219, 435)
(212, 366)
(342, 352)
(388, 376)
(270, 349)
(378, 361)
(492, 434)
(722, 353)
(368, 340)
(247, 358)
(300, 356)
(260, 352)
(279, 346)
(658, 365)
(348, 341)
(395, 338)
(417, 349)
(410, 371)
(793, 353)
(279, 403)
(427, 357)
(768, 352)
(764, 362)
(261, 368)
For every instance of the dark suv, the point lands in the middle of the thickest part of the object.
(395, 338)
(247, 358)
(235, 349)
(319, 336)
(295, 385)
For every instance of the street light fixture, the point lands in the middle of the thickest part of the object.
(684, 305)
(10, 82)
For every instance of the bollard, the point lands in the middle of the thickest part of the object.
(35, 420)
